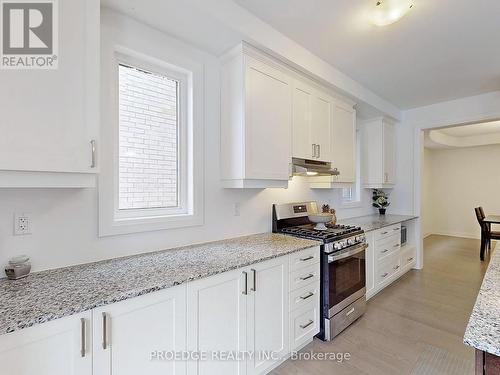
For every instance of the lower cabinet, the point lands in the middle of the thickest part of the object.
(386, 259)
(241, 322)
(131, 336)
(244, 311)
(59, 347)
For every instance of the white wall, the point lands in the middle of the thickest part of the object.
(65, 221)
(458, 180)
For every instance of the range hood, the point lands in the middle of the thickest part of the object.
(310, 168)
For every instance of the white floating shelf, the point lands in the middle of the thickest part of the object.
(29, 179)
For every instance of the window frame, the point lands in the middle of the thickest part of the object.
(189, 74)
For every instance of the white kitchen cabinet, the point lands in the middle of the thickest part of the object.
(370, 264)
(59, 347)
(50, 117)
(312, 122)
(378, 153)
(256, 120)
(128, 332)
(267, 313)
(343, 148)
(217, 321)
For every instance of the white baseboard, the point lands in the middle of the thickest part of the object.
(454, 234)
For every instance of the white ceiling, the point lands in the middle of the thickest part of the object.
(442, 50)
(472, 130)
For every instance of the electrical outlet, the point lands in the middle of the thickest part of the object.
(22, 224)
(236, 209)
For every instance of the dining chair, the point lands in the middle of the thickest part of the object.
(486, 233)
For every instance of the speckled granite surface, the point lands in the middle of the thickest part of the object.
(483, 330)
(53, 294)
(373, 222)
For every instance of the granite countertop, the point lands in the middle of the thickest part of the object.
(373, 222)
(483, 330)
(57, 293)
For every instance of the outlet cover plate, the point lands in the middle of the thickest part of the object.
(22, 224)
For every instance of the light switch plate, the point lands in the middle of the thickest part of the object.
(22, 224)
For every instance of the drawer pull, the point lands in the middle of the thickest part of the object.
(349, 312)
(307, 277)
(307, 258)
(304, 326)
(397, 245)
(245, 290)
(396, 268)
(308, 295)
(104, 330)
(396, 228)
(384, 232)
(384, 251)
(410, 259)
(385, 274)
(83, 333)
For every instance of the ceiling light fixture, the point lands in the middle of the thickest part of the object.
(386, 12)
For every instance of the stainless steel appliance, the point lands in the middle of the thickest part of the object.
(306, 167)
(343, 281)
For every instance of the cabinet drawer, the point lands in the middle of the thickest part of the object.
(387, 268)
(304, 276)
(388, 231)
(408, 256)
(304, 258)
(304, 296)
(304, 325)
(387, 246)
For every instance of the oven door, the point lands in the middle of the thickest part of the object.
(347, 278)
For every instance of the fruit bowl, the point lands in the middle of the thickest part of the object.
(320, 219)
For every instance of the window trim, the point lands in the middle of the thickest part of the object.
(113, 221)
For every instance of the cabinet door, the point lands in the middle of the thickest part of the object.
(216, 322)
(389, 153)
(321, 124)
(344, 142)
(268, 122)
(268, 313)
(49, 117)
(59, 347)
(302, 142)
(127, 334)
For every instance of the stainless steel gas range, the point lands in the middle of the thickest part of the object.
(343, 280)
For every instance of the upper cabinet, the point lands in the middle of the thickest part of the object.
(379, 153)
(50, 117)
(256, 120)
(312, 123)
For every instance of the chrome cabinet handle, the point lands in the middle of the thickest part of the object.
(254, 277)
(92, 147)
(386, 176)
(384, 251)
(410, 259)
(349, 312)
(397, 245)
(313, 150)
(396, 268)
(307, 258)
(396, 228)
(245, 291)
(304, 326)
(319, 151)
(308, 295)
(385, 274)
(83, 333)
(307, 277)
(104, 330)
(384, 232)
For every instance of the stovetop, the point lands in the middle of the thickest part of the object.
(332, 233)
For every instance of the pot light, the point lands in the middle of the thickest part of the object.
(386, 12)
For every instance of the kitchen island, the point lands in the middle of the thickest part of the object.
(483, 330)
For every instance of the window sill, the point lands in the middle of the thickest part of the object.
(148, 224)
(353, 204)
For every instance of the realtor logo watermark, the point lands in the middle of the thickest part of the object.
(29, 34)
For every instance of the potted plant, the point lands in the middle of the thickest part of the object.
(380, 201)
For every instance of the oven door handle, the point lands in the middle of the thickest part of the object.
(357, 250)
